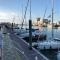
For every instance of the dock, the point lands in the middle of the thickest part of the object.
(22, 47)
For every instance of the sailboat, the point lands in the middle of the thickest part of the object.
(53, 42)
(23, 30)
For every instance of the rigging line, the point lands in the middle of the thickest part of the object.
(43, 18)
(25, 12)
(45, 13)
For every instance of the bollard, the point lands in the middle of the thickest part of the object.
(12, 26)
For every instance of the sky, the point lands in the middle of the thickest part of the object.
(11, 10)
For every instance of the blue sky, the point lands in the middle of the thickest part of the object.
(14, 7)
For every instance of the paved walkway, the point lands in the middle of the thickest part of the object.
(22, 47)
(9, 51)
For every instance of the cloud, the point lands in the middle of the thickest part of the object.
(9, 17)
(6, 15)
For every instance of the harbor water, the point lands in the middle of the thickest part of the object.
(51, 54)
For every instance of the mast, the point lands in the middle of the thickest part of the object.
(30, 9)
(30, 28)
(22, 14)
(25, 12)
(52, 16)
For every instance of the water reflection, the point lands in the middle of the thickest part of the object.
(47, 31)
(58, 55)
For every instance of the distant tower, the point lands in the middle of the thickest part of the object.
(38, 19)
